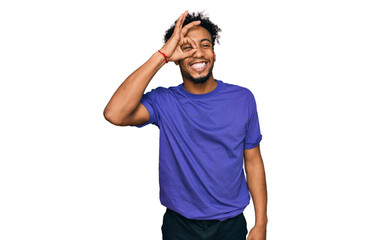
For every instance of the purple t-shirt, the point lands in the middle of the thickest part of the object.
(202, 141)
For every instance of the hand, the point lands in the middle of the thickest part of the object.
(257, 233)
(173, 47)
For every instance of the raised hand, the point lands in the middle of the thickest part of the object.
(173, 47)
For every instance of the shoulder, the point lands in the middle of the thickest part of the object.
(237, 89)
(160, 93)
(157, 90)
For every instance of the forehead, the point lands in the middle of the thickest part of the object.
(198, 33)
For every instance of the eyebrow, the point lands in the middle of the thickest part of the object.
(205, 39)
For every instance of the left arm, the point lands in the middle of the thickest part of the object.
(255, 176)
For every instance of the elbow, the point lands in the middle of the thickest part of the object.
(113, 118)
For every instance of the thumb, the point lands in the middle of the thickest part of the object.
(190, 53)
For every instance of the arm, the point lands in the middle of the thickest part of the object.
(127, 97)
(255, 175)
(125, 108)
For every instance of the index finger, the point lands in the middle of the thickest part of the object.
(189, 26)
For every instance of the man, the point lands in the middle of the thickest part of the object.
(207, 127)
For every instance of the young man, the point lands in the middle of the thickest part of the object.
(207, 127)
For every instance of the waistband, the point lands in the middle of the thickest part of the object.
(211, 221)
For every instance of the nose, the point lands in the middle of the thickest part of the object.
(199, 52)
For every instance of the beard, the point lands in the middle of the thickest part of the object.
(201, 79)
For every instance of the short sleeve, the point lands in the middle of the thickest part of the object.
(149, 101)
(253, 135)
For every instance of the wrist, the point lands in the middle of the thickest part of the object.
(261, 222)
(166, 51)
(164, 55)
(159, 58)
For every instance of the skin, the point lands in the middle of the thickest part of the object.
(188, 45)
(204, 53)
(124, 108)
(255, 176)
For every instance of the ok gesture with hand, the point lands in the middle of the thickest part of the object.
(173, 47)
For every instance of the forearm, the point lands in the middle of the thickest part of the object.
(257, 185)
(127, 97)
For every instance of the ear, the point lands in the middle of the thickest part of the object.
(214, 57)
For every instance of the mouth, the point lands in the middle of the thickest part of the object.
(199, 66)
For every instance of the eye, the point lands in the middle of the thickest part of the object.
(187, 48)
(206, 45)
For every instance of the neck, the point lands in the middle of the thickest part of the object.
(199, 88)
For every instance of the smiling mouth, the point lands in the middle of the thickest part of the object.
(199, 66)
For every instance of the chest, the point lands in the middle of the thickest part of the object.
(213, 120)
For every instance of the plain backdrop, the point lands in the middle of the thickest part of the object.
(67, 173)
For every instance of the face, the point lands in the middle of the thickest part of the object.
(198, 68)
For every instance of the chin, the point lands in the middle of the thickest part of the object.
(200, 79)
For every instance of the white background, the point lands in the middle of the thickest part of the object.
(66, 173)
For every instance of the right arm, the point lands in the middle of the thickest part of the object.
(125, 108)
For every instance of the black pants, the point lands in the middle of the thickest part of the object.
(177, 227)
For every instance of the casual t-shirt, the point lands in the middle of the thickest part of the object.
(202, 141)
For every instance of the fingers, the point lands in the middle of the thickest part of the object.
(179, 22)
(185, 14)
(189, 53)
(179, 25)
(188, 46)
(189, 26)
(188, 41)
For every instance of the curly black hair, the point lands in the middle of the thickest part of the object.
(212, 28)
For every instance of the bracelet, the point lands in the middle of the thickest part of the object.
(163, 54)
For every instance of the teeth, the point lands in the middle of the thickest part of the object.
(198, 65)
